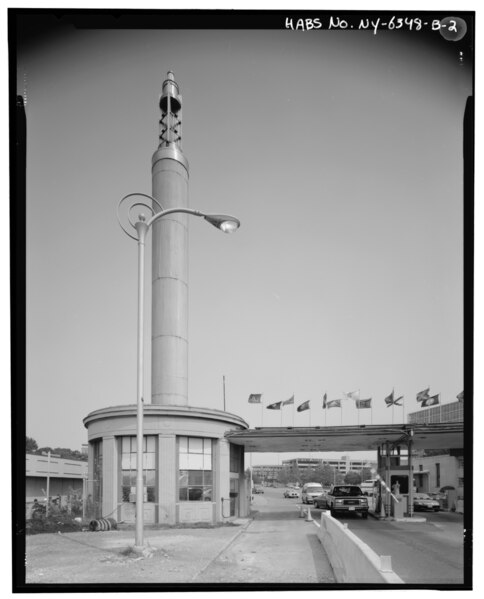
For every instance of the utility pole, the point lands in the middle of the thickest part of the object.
(48, 485)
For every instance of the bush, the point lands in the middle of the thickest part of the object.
(61, 522)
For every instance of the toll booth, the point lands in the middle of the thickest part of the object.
(395, 471)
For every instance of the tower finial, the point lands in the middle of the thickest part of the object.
(171, 113)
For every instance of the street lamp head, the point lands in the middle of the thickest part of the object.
(227, 224)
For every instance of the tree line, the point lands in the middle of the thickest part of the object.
(31, 446)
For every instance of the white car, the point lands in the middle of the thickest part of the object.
(291, 493)
(310, 491)
(422, 501)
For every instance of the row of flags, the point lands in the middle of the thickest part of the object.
(423, 397)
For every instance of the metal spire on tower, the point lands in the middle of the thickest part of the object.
(171, 113)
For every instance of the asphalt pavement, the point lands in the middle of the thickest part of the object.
(425, 552)
(276, 547)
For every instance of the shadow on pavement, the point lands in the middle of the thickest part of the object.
(289, 514)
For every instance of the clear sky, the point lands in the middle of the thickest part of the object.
(341, 154)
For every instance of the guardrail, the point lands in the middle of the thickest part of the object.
(353, 560)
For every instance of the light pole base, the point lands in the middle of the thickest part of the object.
(143, 550)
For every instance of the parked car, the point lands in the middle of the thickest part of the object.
(257, 490)
(423, 501)
(345, 499)
(291, 493)
(310, 491)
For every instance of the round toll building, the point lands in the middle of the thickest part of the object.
(191, 473)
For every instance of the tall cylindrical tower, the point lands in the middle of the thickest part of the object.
(169, 385)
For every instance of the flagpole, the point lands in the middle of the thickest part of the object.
(261, 414)
(358, 408)
(393, 402)
(224, 392)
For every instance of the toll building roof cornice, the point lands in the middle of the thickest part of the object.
(154, 410)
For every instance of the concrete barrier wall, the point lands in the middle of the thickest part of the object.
(351, 559)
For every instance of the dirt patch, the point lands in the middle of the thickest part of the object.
(170, 555)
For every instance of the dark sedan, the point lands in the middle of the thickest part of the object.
(320, 501)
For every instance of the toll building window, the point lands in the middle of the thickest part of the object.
(195, 475)
(128, 468)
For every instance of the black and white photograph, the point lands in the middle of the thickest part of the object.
(241, 248)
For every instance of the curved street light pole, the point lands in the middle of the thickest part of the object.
(227, 224)
(142, 229)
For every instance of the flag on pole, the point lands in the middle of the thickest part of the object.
(430, 401)
(363, 403)
(255, 397)
(288, 401)
(421, 395)
(460, 397)
(391, 401)
(351, 395)
(303, 406)
(274, 406)
(325, 397)
(333, 403)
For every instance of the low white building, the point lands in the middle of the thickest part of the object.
(436, 472)
(60, 475)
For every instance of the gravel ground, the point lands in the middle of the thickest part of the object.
(173, 556)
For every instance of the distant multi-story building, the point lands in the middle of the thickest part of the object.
(266, 472)
(302, 463)
(449, 412)
(342, 465)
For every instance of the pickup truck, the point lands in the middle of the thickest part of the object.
(345, 499)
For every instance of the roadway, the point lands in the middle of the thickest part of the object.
(423, 553)
(276, 548)
(430, 552)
